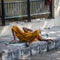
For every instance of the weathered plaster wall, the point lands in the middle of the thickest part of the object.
(57, 13)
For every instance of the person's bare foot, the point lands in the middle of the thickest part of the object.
(47, 40)
(12, 42)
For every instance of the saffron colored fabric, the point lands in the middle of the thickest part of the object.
(25, 36)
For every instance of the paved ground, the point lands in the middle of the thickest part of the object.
(6, 35)
(52, 55)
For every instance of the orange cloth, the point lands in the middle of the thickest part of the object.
(25, 36)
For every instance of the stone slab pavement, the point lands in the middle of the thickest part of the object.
(6, 35)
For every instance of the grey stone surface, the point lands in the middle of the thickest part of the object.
(6, 35)
(51, 55)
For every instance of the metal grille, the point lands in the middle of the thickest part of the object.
(19, 8)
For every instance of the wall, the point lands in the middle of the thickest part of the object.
(57, 8)
(57, 13)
